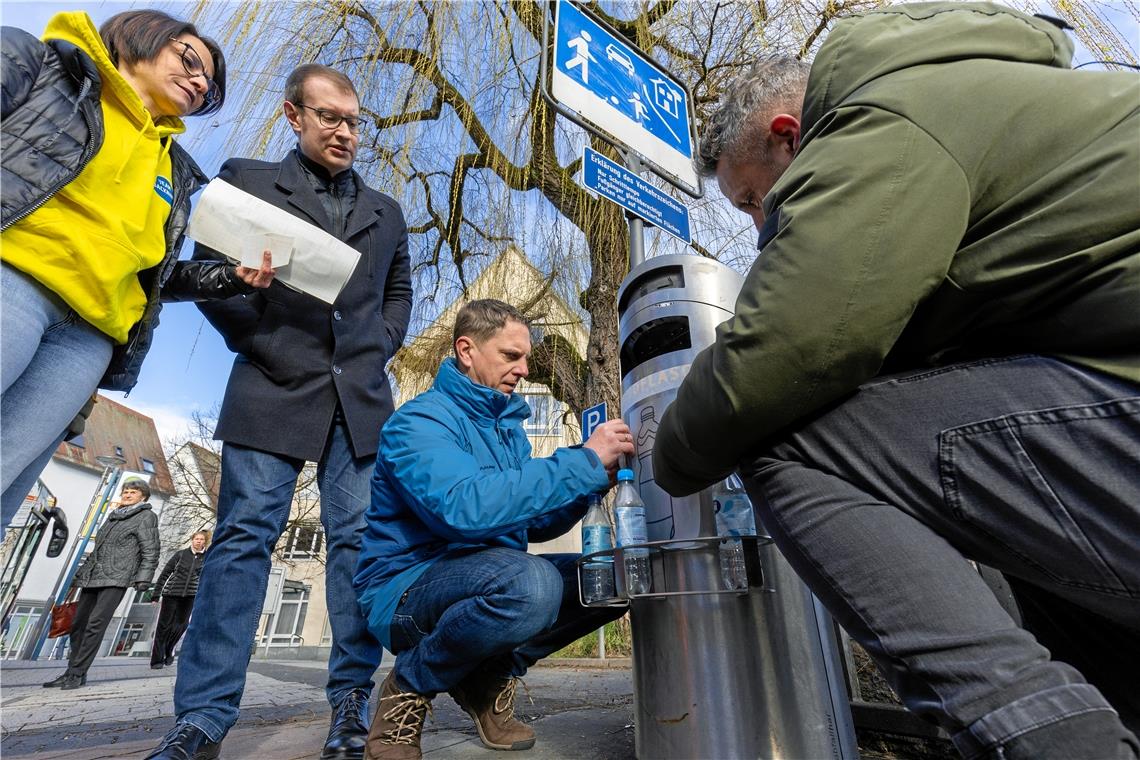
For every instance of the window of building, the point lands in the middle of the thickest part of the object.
(284, 627)
(130, 633)
(148, 466)
(305, 541)
(21, 627)
(118, 451)
(545, 415)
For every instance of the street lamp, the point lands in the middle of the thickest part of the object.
(112, 472)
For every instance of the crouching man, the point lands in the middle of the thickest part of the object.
(444, 577)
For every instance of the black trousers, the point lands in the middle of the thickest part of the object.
(92, 616)
(173, 618)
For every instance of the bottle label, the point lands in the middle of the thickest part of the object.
(597, 538)
(734, 515)
(631, 528)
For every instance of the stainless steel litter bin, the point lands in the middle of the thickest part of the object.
(716, 674)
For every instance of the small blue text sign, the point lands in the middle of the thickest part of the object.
(634, 194)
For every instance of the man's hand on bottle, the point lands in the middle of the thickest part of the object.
(610, 441)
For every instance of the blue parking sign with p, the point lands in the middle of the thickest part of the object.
(591, 418)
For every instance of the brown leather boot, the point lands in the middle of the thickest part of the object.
(397, 724)
(491, 704)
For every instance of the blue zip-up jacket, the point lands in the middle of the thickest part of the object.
(454, 472)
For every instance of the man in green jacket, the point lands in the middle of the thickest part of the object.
(936, 357)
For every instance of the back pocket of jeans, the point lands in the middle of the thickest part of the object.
(1057, 487)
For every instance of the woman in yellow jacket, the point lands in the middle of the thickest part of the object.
(96, 196)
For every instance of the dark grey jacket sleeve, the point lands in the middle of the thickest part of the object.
(148, 545)
(21, 56)
(397, 310)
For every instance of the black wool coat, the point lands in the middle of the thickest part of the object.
(297, 357)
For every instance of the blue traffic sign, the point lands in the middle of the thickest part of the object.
(591, 418)
(616, 87)
(634, 194)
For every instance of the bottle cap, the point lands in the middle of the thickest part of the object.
(625, 474)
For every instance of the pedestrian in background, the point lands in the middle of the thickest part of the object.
(125, 555)
(176, 586)
(96, 196)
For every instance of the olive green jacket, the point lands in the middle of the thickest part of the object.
(959, 192)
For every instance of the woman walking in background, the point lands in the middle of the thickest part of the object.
(125, 555)
(177, 585)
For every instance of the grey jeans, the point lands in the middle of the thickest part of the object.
(1027, 464)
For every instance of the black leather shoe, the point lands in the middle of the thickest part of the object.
(64, 679)
(156, 666)
(73, 682)
(348, 730)
(169, 661)
(57, 681)
(186, 742)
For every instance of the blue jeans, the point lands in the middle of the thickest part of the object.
(253, 510)
(51, 361)
(496, 611)
(1026, 464)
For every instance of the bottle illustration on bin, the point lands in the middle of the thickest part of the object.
(734, 518)
(629, 516)
(597, 573)
(665, 526)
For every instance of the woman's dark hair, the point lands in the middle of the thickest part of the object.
(134, 36)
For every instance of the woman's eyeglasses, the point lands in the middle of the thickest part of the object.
(192, 62)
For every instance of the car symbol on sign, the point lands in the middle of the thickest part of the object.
(620, 58)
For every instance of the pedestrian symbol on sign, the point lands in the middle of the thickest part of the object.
(639, 109)
(582, 56)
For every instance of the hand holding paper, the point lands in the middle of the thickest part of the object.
(261, 275)
(238, 225)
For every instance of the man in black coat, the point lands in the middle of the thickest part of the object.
(176, 587)
(308, 383)
(125, 555)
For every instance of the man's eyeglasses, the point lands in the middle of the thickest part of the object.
(192, 62)
(331, 120)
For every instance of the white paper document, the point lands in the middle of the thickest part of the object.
(236, 224)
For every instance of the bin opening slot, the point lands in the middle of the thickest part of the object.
(654, 279)
(655, 338)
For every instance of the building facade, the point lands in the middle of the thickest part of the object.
(127, 442)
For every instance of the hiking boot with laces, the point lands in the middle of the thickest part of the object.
(491, 704)
(397, 724)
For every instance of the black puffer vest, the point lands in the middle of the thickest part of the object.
(51, 124)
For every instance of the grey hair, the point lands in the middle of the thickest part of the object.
(772, 85)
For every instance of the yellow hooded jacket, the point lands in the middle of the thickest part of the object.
(90, 240)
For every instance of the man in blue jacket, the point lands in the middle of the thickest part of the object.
(444, 577)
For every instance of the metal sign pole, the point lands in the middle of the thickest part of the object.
(636, 224)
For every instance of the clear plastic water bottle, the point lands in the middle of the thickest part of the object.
(734, 518)
(629, 516)
(598, 573)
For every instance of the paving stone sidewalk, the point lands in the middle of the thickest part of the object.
(125, 708)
